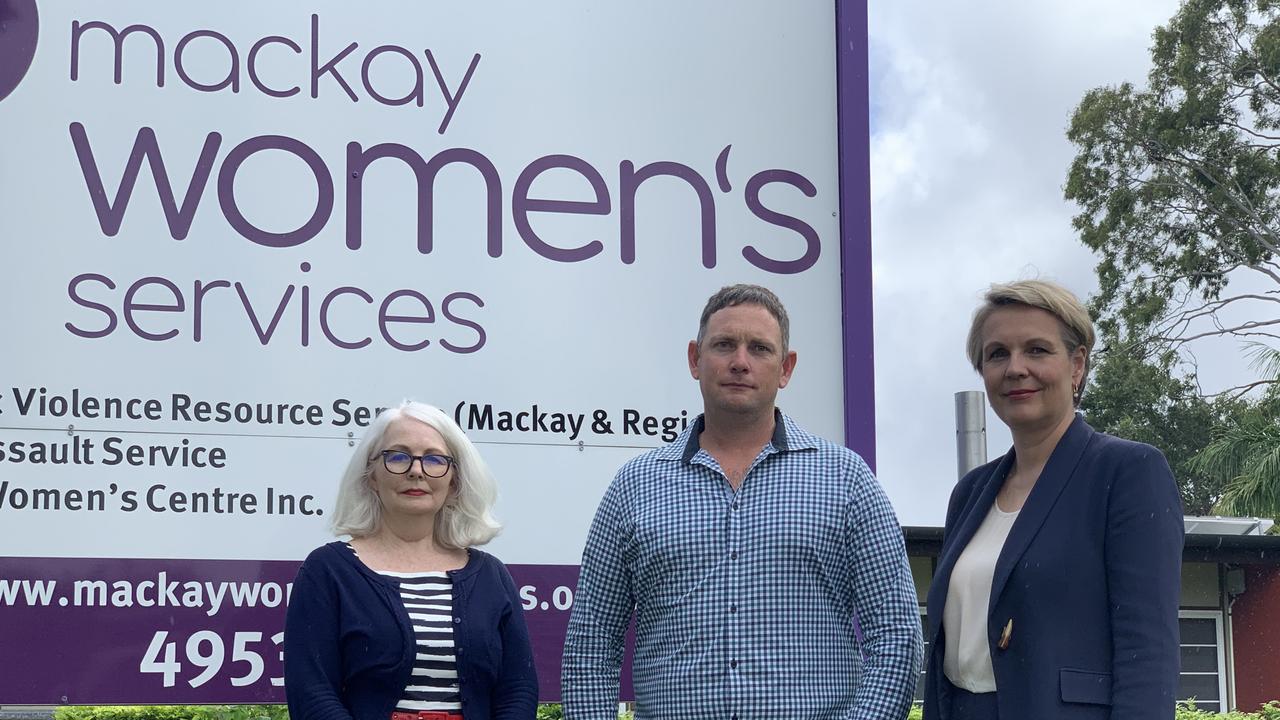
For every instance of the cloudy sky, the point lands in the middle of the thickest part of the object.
(970, 103)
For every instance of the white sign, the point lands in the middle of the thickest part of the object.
(230, 236)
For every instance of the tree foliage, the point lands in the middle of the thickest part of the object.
(1178, 184)
(1178, 189)
(1244, 455)
(1141, 399)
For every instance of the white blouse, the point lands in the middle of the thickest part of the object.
(967, 662)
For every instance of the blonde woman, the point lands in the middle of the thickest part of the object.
(1056, 593)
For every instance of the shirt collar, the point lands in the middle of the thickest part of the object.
(787, 436)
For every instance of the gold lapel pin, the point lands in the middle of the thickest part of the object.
(1004, 636)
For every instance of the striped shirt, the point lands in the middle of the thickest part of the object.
(745, 600)
(428, 598)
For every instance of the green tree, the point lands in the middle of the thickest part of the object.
(1178, 184)
(1141, 399)
(1244, 456)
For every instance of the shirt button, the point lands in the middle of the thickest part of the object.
(735, 504)
(733, 663)
(457, 620)
(733, 555)
(733, 608)
(460, 650)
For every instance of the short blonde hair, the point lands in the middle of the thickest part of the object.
(464, 521)
(1077, 327)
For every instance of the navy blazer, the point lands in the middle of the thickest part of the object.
(1089, 575)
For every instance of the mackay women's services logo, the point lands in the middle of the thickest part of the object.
(19, 27)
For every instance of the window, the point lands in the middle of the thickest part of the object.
(1202, 660)
(924, 630)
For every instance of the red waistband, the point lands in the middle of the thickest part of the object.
(426, 715)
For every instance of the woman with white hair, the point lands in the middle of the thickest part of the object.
(407, 620)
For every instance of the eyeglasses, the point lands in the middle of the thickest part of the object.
(399, 463)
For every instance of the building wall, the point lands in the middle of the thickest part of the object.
(1255, 619)
(1200, 589)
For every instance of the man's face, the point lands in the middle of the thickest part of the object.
(741, 364)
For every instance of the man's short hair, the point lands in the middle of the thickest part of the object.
(743, 294)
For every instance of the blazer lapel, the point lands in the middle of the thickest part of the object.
(971, 516)
(1055, 476)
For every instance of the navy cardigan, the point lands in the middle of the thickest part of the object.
(349, 648)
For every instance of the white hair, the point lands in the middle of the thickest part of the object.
(464, 520)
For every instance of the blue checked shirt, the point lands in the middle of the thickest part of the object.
(745, 601)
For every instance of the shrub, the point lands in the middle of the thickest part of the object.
(1188, 711)
(549, 711)
(554, 711)
(172, 712)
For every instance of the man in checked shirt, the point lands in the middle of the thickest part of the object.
(746, 549)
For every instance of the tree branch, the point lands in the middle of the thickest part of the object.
(1250, 325)
(1240, 390)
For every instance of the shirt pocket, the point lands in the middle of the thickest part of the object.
(1085, 686)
